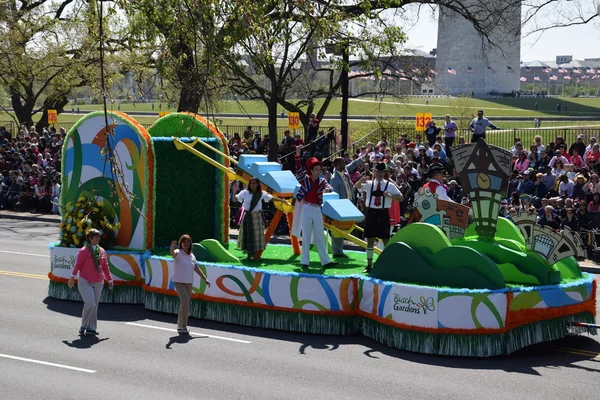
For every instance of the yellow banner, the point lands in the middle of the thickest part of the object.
(52, 117)
(421, 121)
(163, 113)
(293, 120)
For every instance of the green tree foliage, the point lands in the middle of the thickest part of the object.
(47, 48)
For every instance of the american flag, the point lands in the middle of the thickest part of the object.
(433, 71)
(567, 78)
(536, 78)
(576, 71)
(562, 70)
(492, 70)
(590, 70)
(523, 79)
(509, 68)
(451, 71)
(548, 70)
(596, 77)
(553, 78)
(586, 76)
(470, 70)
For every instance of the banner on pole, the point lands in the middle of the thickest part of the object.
(52, 117)
(293, 120)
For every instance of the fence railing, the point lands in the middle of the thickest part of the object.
(504, 138)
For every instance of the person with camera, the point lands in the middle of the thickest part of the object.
(380, 193)
(184, 266)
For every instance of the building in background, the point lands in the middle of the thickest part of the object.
(466, 66)
(562, 76)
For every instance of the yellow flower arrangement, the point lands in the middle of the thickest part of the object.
(83, 215)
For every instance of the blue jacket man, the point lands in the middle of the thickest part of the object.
(340, 181)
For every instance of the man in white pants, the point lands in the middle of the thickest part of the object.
(308, 214)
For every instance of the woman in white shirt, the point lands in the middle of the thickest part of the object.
(252, 232)
(184, 266)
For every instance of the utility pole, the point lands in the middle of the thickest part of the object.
(345, 84)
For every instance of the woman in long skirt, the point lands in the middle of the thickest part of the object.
(252, 231)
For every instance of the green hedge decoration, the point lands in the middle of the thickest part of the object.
(189, 194)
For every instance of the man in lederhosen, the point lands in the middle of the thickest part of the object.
(380, 194)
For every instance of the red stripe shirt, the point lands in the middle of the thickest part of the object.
(312, 196)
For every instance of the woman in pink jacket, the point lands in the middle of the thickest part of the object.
(92, 266)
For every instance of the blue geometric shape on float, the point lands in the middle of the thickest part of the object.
(334, 305)
(557, 298)
(125, 132)
(280, 181)
(246, 161)
(258, 169)
(330, 196)
(91, 158)
(342, 210)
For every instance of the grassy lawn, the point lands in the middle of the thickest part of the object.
(522, 107)
(408, 107)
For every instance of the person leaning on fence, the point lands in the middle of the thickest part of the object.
(252, 233)
(92, 266)
(184, 266)
(478, 126)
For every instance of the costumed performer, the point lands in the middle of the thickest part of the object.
(308, 217)
(252, 233)
(436, 182)
(377, 217)
(184, 266)
(342, 185)
(92, 266)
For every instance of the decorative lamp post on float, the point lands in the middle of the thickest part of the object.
(484, 172)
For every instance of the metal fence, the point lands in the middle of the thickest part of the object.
(504, 138)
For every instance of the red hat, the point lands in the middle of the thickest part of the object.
(411, 145)
(311, 162)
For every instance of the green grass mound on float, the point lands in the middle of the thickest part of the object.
(430, 258)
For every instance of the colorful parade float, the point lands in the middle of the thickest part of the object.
(440, 286)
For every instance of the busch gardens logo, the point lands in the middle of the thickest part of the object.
(407, 304)
(63, 262)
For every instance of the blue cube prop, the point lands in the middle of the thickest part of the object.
(330, 196)
(342, 210)
(246, 161)
(260, 168)
(280, 181)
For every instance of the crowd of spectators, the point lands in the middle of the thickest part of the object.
(30, 164)
(559, 182)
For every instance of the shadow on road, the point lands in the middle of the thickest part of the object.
(108, 312)
(84, 342)
(182, 339)
(564, 353)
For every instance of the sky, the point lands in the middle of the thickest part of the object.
(579, 41)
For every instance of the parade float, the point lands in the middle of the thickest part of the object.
(441, 285)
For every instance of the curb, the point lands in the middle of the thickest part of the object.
(30, 218)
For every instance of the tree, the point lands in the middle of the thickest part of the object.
(463, 110)
(167, 35)
(46, 49)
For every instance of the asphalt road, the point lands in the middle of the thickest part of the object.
(132, 359)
